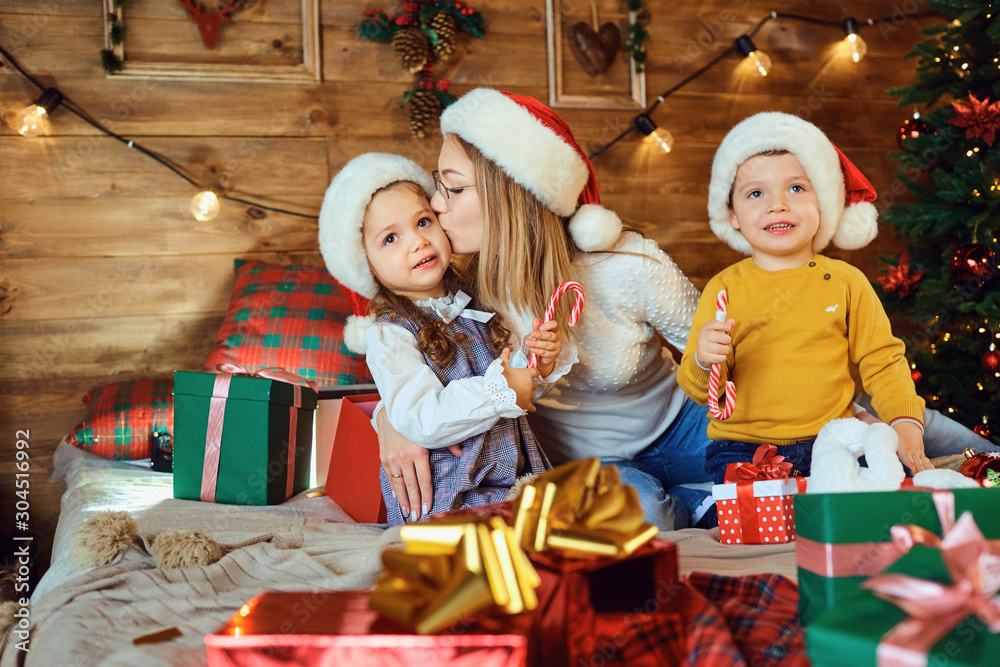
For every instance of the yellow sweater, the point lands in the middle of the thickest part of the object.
(797, 332)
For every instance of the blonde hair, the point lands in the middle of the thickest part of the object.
(433, 337)
(527, 251)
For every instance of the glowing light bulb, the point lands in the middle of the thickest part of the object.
(759, 60)
(31, 120)
(655, 134)
(205, 205)
(855, 45)
(664, 139)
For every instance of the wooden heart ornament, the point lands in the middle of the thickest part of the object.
(595, 51)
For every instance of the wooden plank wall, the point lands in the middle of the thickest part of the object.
(105, 276)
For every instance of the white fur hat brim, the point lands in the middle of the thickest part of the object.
(343, 213)
(771, 131)
(528, 151)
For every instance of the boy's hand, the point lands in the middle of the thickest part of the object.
(546, 342)
(911, 447)
(713, 342)
(521, 380)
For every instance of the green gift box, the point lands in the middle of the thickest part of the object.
(849, 634)
(249, 463)
(843, 538)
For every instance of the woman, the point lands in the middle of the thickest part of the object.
(513, 181)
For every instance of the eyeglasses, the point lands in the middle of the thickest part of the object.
(447, 192)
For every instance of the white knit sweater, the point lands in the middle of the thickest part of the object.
(623, 392)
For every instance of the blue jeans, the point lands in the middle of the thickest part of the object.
(676, 457)
(723, 452)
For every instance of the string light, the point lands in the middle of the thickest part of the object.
(760, 61)
(853, 41)
(648, 128)
(205, 205)
(31, 120)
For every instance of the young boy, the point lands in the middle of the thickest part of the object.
(780, 192)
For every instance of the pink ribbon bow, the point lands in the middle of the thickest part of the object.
(217, 415)
(935, 609)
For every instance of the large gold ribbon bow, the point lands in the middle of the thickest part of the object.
(582, 509)
(450, 569)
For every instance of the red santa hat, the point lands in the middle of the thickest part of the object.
(846, 215)
(536, 148)
(340, 237)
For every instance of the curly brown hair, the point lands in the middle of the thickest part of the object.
(433, 338)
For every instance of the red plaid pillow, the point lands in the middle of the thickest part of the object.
(290, 317)
(121, 417)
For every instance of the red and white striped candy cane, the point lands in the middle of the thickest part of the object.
(721, 302)
(550, 310)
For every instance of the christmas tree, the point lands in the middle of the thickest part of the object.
(946, 284)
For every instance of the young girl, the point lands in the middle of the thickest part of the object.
(433, 357)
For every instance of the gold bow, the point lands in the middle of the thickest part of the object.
(583, 509)
(449, 569)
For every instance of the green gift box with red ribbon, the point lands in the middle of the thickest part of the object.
(844, 538)
(242, 438)
(935, 604)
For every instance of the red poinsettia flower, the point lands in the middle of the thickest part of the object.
(980, 119)
(900, 278)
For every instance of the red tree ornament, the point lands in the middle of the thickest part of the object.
(900, 278)
(980, 119)
(983, 468)
(991, 361)
(916, 376)
(911, 129)
(973, 264)
(983, 428)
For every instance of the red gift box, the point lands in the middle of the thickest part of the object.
(608, 611)
(337, 628)
(353, 477)
(761, 512)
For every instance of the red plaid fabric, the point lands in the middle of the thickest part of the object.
(750, 620)
(290, 317)
(121, 417)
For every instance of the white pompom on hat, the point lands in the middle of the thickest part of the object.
(340, 229)
(846, 215)
(536, 148)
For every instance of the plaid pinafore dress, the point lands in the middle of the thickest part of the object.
(490, 461)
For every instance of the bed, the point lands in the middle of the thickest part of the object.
(90, 617)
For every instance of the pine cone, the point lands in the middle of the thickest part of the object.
(411, 46)
(425, 109)
(446, 27)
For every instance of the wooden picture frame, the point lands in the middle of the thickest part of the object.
(569, 86)
(222, 69)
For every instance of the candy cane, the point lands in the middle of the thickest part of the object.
(721, 301)
(550, 310)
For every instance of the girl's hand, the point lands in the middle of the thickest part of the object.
(400, 456)
(911, 447)
(713, 342)
(521, 380)
(546, 342)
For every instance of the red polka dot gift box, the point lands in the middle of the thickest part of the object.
(765, 516)
(756, 505)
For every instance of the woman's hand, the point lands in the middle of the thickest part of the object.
(407, 465)
(521, 380)
(545, 342)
